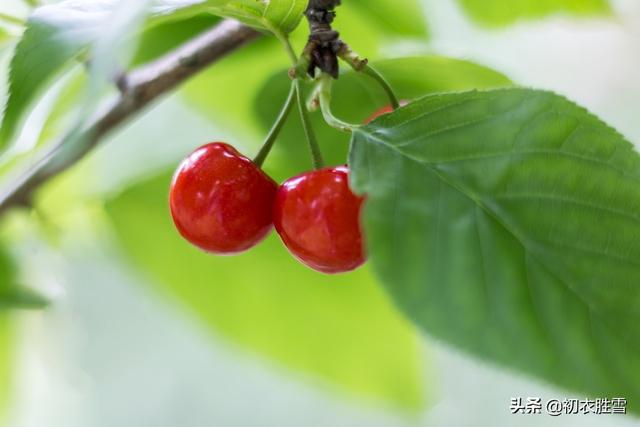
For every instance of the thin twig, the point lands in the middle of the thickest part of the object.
(138, 89)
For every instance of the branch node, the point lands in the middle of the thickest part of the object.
(324, 42)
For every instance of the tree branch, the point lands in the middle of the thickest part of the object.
(324, 42)
(138, 89)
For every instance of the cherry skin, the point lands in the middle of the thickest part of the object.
(318, 218)
(384, 110)
(221, 201)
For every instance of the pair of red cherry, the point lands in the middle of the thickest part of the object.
(224, 203)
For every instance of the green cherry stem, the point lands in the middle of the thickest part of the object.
(316, 155)
(324, 93)
(314, 148)
(372, 72)
(277, 127)
(361, 65)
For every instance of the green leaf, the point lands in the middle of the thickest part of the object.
(276, 16)
(341, 330)
(497, 13)
(356, 97)
(507, 223)
(55, 35)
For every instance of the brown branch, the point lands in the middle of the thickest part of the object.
(138, 89)
(324, 42)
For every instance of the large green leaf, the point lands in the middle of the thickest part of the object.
(356, 97)
(55, 35)
(278, 16)
(507, 223)
(495, 13)
(341, 330)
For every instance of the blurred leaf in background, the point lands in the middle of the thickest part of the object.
(498, 13)
(165, 36)
(389, 19)
(4, 36)
(11, 294)
(341, 330)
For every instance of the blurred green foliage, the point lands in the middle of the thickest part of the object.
(11, 294)
(4, 36)
(341, 330)
(5, 363)
(497, 13)
(165, 36)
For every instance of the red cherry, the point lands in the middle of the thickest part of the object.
(384, 110)
(318, 218)
(221, 201)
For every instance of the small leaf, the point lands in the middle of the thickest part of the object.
(497, 13)
(55, 35)
(277, 16)
(340, 330)
(507, 223)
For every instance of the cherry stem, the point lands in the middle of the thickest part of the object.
(324, 93)
(316, 155)
(361, 65)
(372, 72)
(277, 127)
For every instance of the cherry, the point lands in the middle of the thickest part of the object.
(221, 201)
(384, 110)
(318, 218)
